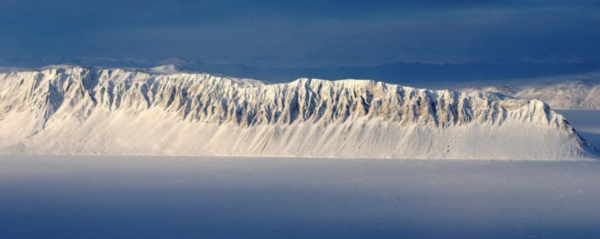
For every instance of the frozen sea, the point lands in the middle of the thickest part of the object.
(85, 197)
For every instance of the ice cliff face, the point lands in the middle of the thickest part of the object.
(75, 110)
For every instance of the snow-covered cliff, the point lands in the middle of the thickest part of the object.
(76, 110)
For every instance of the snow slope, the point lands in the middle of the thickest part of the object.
(576, 94)
(162, 111)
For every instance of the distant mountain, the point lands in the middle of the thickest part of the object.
(171, 111)
(570, 94)
(438, 76)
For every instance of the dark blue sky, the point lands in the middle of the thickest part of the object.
(303, 33)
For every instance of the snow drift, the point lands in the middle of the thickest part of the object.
(161, 111)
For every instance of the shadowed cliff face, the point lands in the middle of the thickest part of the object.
(49, 100)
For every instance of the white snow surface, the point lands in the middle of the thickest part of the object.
(162, 111)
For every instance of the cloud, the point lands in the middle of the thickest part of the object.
(305, 32)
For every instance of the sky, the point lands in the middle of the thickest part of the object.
(302, 33)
